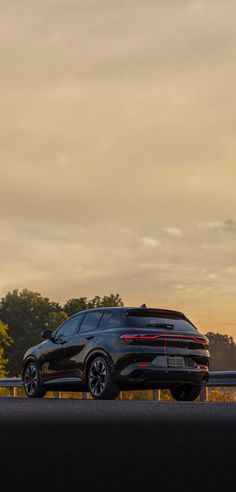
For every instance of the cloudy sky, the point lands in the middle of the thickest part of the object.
(118, 152)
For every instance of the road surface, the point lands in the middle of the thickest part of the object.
(115, 444)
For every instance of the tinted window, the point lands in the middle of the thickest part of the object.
(110, 320)
(104, 320)
(90, 321)
(159, 319)
(69, 327)
(155, 313)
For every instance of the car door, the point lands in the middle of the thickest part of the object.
(58, 355)
(83, 341)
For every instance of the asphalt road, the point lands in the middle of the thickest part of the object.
(114, 444)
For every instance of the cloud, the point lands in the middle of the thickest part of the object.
(174, 231)
(117, 123)
(228, 225)
(231, 270)
(150, 242)
(213, 276)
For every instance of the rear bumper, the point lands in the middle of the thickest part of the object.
(152, 376)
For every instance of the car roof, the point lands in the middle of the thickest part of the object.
(125, 309)
(160, 310)
(113, 308)
(155, 309)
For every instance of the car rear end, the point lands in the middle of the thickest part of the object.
(171, 350)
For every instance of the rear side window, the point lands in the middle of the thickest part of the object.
(154, 318)
(109, 320)
(105, 318)
(90, 321)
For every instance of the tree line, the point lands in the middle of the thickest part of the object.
(25, 314)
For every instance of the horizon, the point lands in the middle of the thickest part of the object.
(118, 153)
(129, 305)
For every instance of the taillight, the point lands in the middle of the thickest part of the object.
(139, 337)
(136, 336)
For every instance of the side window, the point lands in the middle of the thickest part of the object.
(105, 318)
(69, 327)
(109, 321)
(90, 321)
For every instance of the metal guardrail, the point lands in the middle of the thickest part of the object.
(222, 378)
(216, 378)
(11, 383)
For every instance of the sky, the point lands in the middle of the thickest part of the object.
(118, 153)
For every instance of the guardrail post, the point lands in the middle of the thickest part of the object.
(13, 391)
(57, 394)
(204, 393)
(156, 395)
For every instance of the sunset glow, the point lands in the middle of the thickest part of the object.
(118, 169)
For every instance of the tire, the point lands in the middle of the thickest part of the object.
(100, 384)
(185, 392)
(32, 381)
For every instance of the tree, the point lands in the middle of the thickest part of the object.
(223, 352)
(27, 314)
(82, 303)
(5, 341)
(55, 319)
(112, 300)
(75, 306)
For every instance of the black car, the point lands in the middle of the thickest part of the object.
(106, 350)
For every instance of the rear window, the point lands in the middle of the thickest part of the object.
(154, 318)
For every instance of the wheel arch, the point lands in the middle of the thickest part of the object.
(30, 358)
(93, 355)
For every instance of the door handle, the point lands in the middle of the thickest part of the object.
(90, 337)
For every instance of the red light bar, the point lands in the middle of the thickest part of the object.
(139, 337)
(143, 365)
(155, 337)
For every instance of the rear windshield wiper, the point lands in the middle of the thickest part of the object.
(161, 325)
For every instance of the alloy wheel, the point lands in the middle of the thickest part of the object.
(31, 379)
(98, 377)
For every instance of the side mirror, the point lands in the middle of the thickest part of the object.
(47, 334)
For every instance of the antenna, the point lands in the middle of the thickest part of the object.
(143, 306)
